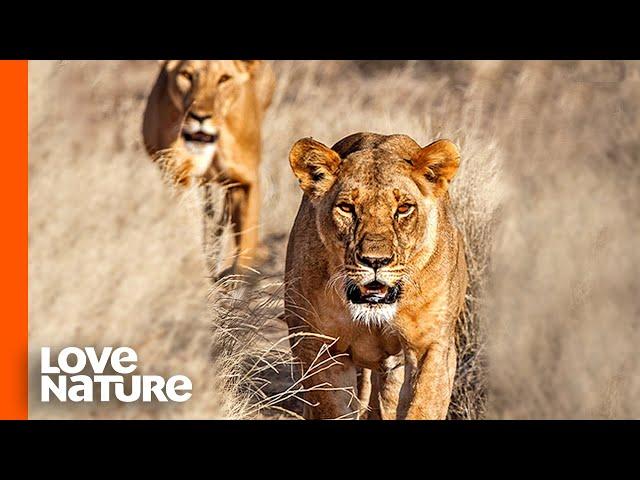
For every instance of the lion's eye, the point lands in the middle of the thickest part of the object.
(224, 78)
(405, 209)
(345, 207)
(187, 75)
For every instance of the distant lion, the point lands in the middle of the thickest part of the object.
(202, 124)
(376, 262)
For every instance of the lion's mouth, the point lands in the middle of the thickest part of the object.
(374, 293)
(199, 137)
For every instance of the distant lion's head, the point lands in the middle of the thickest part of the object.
(376, 200)
(198, 94)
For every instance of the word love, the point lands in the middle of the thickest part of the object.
(83, 374)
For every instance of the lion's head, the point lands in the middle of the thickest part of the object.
(205, 91)
(192, 100)
(376, 200)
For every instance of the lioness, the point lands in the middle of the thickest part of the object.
(202, 123)
(375, 261)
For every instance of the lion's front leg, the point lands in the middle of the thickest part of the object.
(387, 384)
(329, 383)
(431, 383)
(364, 392)
(248, 242)
(215, 218)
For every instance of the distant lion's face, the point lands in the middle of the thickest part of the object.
(204, 91)
(374, 210)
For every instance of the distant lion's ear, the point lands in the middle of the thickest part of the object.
(169, 65)
(248, 68)
(315, 166)
(437, 163)
(249, 65)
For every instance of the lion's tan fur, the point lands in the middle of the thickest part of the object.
(233, 95)
(375, 172)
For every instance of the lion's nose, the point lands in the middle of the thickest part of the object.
(374, 262)
(199, 118)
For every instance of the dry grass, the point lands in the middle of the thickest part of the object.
(115, 258)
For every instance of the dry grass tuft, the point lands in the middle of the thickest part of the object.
(476, 198)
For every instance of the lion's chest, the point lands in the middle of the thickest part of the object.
(369, 348)
(372, 352)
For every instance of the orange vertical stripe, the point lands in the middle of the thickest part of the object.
(14, 240)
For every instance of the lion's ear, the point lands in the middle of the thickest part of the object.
(437, 163)
(169, 65)
(315, 166)
(250, 66)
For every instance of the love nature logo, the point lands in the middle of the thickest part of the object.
(80, 375)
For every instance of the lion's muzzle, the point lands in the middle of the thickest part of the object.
(374, 293)
(199, 129)
(200, 139)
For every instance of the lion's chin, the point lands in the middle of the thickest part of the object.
(201, 155)
(372, 315)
